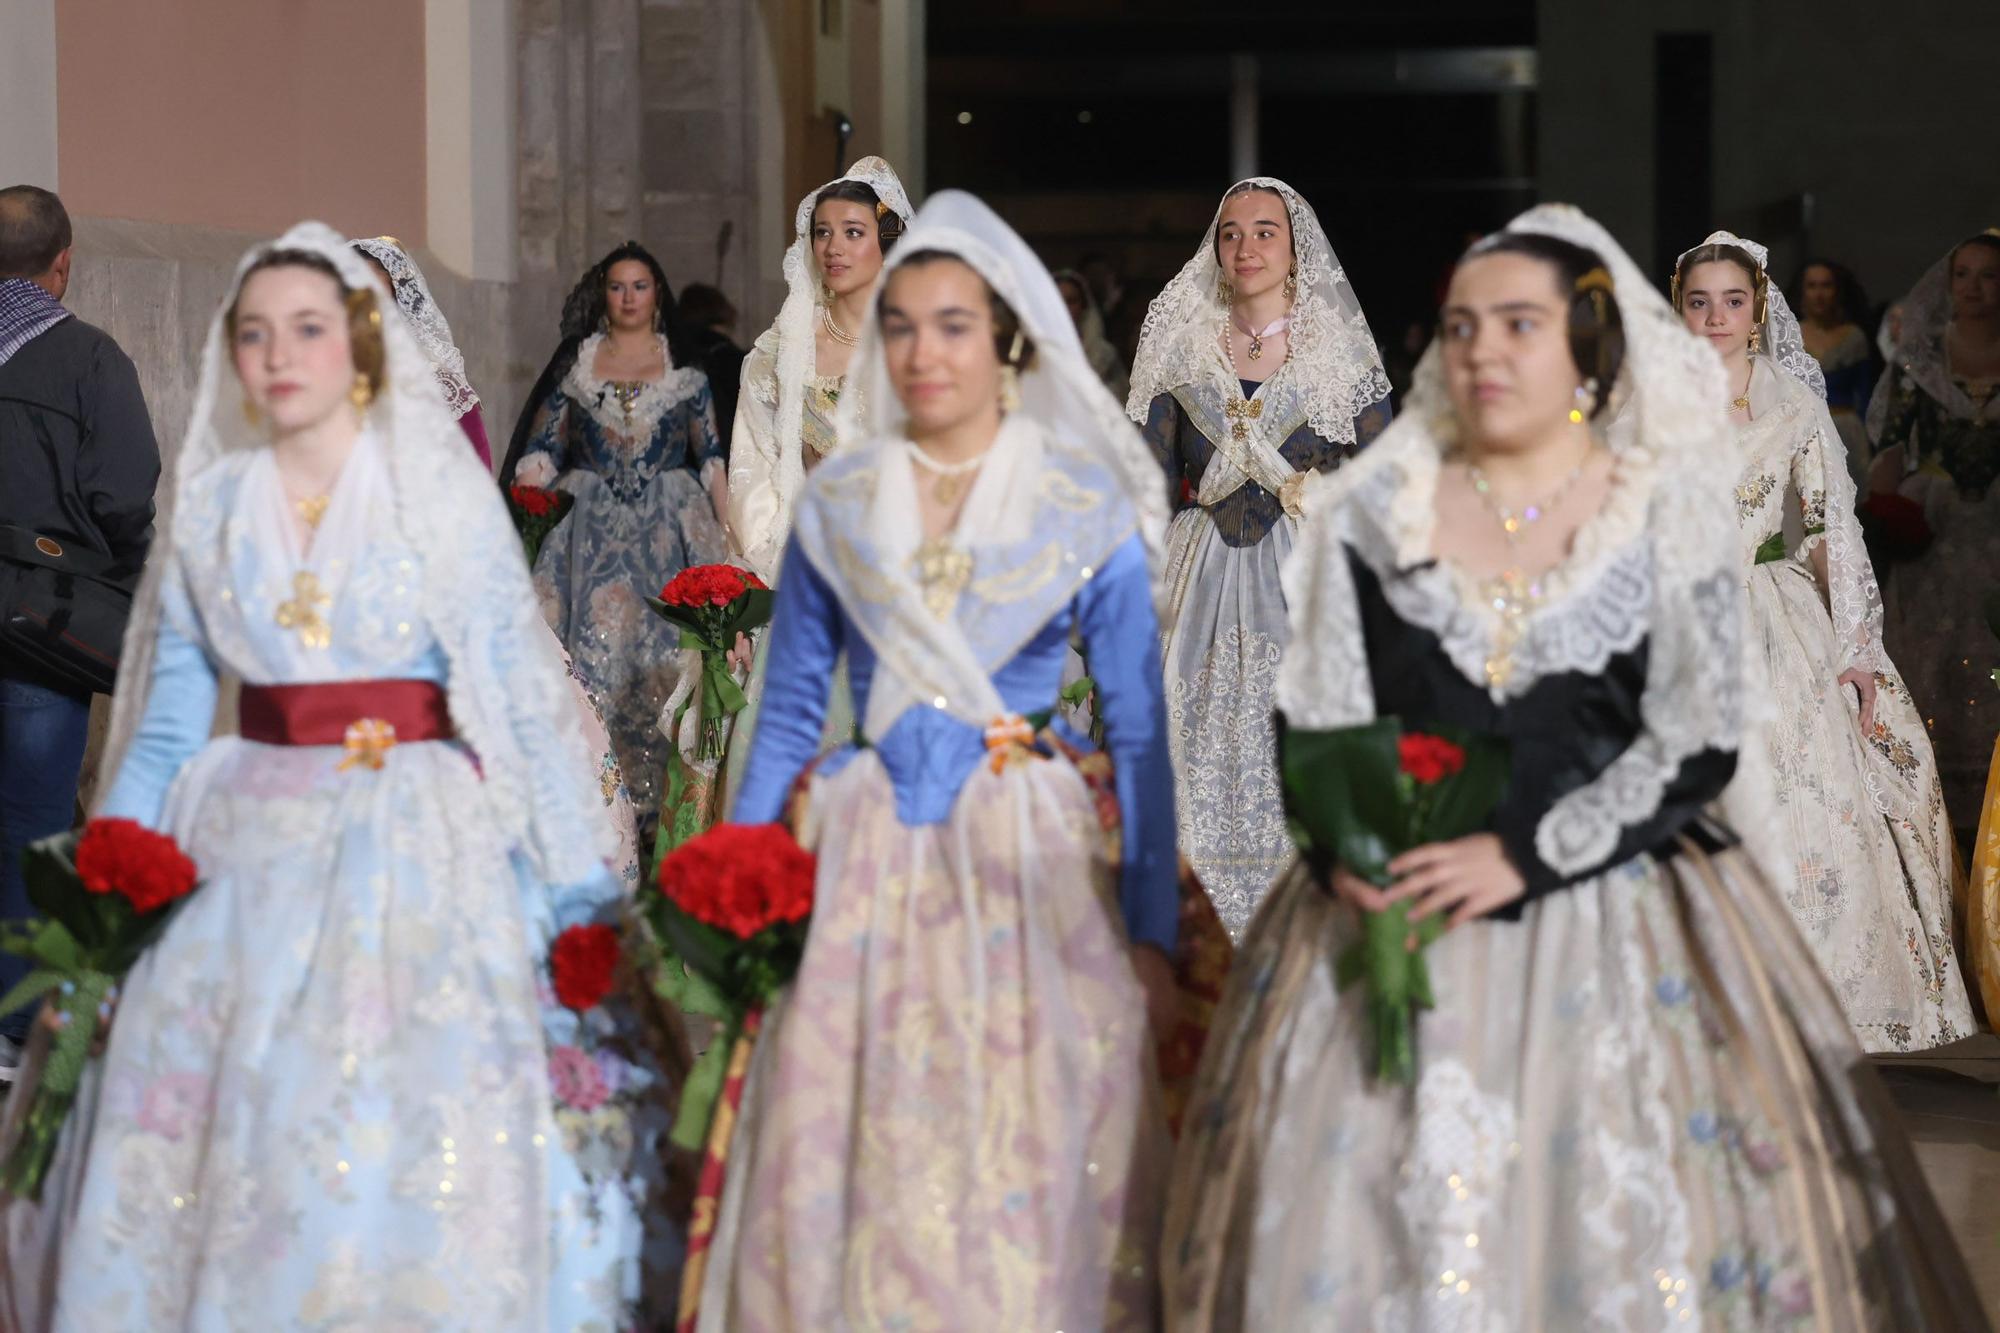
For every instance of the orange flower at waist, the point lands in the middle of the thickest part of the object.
(1008, 739)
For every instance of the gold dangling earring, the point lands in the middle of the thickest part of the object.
(825, 294)
(1226, 290)
(1292, 283)
(361, 393)
(1756, 340)
(1010, 389)
(252, 415)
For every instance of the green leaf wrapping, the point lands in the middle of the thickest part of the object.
(703, 1087)
(1350, 804)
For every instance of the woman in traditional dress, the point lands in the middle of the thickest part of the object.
(338, 1091)
(1832, 311)
(1256, 369)
(797, 371)
(1936, 423)
(1636, 1104)
(794, 379)
(951, 1120)
(623, 422)
(1872, 885)
(427, 325)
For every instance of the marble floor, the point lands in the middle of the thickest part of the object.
(1950, 1099)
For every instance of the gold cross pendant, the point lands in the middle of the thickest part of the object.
(302, 612)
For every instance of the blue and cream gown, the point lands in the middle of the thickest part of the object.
(952, 1120)
(330, 1096)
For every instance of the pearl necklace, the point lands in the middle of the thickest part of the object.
(952, 478)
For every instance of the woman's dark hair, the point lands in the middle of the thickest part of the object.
(582, 313)
(888, 226)
(1849, 302)
(1247, 188)
(705, 307)
(364, 320)
(1720, 253)
(1006, 323)
(1985, 238)
(1596, 329)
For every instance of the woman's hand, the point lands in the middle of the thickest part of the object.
(50, 1018)
(739, 655)
(1163, 994)
(536, 469)
(1467, 877)
(1357, 892)
(1864, 685)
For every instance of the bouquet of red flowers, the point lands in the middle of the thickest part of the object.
(106, 895)
(1358, 797)
(536, 511)
(731, 920)
(712, 604)
(731, 917)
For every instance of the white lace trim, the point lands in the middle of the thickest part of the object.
(1668, 527)
(654, 400)
(1331, 351)
(426, 320)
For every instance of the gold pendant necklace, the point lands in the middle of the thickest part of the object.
(833, 330)
(312, 509)
(1514, 526)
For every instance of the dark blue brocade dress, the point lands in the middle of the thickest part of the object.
(634, 456)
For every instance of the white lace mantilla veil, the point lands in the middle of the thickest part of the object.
(539, 781)
(1919, 354)
(794, 355)
(1854, 600)
(1669, 403)
(1067, 417)
(1331, 351)
(426, 320)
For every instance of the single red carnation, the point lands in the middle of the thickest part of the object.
(148, 869)
(741, 878)
(582, 962)
(1429, 758)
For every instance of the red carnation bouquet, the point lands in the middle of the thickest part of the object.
(537, 510)
(731, 920)
(583, 965)
(711, 605)
(731, 917)
(1898, 525)
(1358, 797)
(105, 894)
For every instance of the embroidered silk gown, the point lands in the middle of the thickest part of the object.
(632, 454)
(338, 1091)
(951, 1119)
(1872, 892)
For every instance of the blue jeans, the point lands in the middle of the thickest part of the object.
(42, 735)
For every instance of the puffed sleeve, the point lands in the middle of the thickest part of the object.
(180, 712)
(1121, 635)
(804, 645)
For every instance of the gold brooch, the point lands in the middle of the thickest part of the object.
(367, 742)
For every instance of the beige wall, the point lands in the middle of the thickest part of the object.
(244, 114)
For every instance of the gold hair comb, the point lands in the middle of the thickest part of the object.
(1597, 280)
(881, 210)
